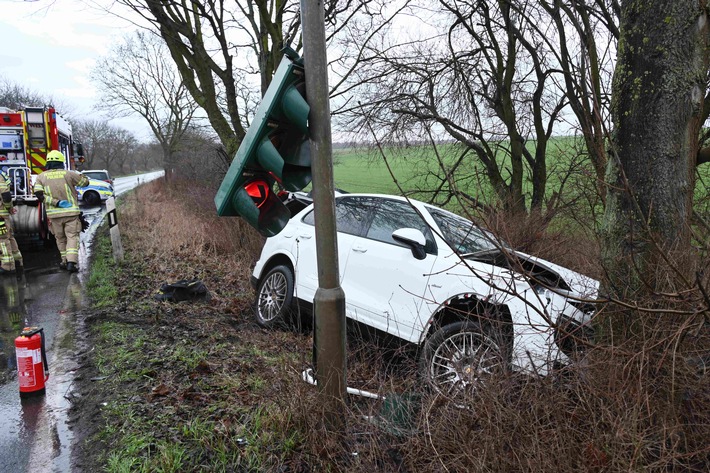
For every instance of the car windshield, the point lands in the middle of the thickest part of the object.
(464, 236)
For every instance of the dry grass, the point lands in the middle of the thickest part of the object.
(640, 405)
(177, 230)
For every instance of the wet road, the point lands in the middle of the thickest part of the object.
(34, 434)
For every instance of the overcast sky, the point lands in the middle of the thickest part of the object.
(50, 46)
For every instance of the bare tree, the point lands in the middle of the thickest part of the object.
(587, 34)
(483, 79)
(659, 102)
(200, 157)
(106, 146)
(138, 77)
(16, 96)
(218, 45)
(146, 157)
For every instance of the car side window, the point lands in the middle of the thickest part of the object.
(392, 215)
(310, 218)
(351, 214)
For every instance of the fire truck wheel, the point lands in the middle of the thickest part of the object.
(92, 198)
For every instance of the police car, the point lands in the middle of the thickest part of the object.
(95, 193)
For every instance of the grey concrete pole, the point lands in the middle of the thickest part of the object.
(329, 303)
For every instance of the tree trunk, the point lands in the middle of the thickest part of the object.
(658, 95)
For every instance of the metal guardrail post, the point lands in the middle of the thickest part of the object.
(113, 230)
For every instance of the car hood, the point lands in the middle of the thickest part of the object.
(539, 272)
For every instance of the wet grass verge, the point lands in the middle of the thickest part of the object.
(179, 387)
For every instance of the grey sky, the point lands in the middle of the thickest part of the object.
(51, 46)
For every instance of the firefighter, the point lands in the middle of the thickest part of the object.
(56, 187)
(10, 256)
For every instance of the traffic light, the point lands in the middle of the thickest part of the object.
(274, 149)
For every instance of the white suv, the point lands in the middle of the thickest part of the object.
(434, 279)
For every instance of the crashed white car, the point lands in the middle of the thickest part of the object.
(434, 279)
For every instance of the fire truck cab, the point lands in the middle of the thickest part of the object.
(26, 136)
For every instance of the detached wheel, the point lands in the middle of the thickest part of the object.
(459, 357)
(274, 297)
(92, 198)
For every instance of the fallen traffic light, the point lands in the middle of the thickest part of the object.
(261, 207)
(275, 148)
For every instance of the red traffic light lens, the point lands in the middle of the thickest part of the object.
(259, 191)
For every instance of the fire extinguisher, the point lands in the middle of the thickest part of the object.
(32, 367)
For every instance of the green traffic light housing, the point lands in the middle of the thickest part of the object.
(275, 148)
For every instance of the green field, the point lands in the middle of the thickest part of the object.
(414, 169)
(410, 170)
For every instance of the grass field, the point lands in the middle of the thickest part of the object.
(568, 172)
(416, 171)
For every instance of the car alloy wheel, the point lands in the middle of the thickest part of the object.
(458, 358)
(274, 297)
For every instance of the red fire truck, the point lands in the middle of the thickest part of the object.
(26, 136)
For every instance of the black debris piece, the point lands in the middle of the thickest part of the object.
(183, 290)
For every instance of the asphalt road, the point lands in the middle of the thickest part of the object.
(34, 434)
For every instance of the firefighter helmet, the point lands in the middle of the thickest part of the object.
(55, 156)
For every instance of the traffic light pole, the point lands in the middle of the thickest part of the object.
(329, 302)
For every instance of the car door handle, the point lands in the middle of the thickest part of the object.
(306, 237)
(438, 286)
(360, 249)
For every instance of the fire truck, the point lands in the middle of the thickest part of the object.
(26, 136)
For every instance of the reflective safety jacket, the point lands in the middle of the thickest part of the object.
(60, 184)
(5, 195)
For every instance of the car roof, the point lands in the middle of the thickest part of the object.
(402, 199)
(381, 196)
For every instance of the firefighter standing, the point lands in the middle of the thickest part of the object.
(10, 256)
(56, 187)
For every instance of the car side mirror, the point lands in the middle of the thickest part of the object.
(412, 238)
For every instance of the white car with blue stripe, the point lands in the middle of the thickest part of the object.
(95, 193)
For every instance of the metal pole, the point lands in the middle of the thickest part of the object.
(329, 302)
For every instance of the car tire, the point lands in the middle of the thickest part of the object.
(92, 198)
(457, 358)
(274, 297)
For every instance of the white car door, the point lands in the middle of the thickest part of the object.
(350, 218)
(384, 283)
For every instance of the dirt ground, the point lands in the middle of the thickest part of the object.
(226, 344)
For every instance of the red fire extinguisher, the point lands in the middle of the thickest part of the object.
(32, 367)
